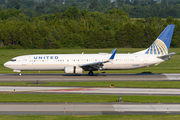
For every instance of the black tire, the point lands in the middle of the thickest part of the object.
(90, 73)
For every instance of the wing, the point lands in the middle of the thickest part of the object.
(98, 65)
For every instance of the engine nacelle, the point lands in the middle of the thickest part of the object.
(73, 69)
(69, 69)
(78, 70)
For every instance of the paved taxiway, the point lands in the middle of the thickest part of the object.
(90, 90)
(87, 108)
(85, 77)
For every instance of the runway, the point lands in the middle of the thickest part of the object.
(89, 90)
(92, 109)
(84, 108)
(85, 77)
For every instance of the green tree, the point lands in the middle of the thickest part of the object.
(121, 38)
(136, 2)
(169, 20)
(151, 34)
(93, 5)
(14, 4)
(119, 14)
(2, 2)
(72, 13)
(41, 8)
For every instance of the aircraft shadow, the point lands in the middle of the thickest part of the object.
(85, 74)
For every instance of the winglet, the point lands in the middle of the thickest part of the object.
(113, 50)
(113, 54)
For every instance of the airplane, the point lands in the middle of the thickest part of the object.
(77, 63)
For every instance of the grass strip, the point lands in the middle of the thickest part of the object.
(134, 84)
(83, 98)
(89, 117)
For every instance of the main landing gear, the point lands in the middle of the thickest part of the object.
(90, 73)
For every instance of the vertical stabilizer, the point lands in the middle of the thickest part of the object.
(162, 43)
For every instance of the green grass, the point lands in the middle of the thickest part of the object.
(170, 66)
(89, 117)
(134, 84)
(83, 98)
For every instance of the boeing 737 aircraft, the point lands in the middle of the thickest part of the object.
(77, 63)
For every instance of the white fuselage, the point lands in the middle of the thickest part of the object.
(60, 61)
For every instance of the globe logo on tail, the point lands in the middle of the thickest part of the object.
(157, 48)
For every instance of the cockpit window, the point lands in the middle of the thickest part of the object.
(13, 60)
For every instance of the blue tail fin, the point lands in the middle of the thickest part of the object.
(113, 50)
(162, 43)
(113, 54)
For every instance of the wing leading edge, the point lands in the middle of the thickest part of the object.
(98, 65)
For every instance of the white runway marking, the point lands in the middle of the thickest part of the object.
(172, 76)
(147, 107)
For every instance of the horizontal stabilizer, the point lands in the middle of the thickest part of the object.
(168, 55)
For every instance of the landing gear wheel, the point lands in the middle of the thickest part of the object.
(20, 74)
(90, 73)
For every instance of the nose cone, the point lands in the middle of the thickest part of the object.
(6, 64)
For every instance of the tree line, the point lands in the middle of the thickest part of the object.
(135, 9)
(81, 29)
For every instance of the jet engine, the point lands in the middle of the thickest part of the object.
(73, 69)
